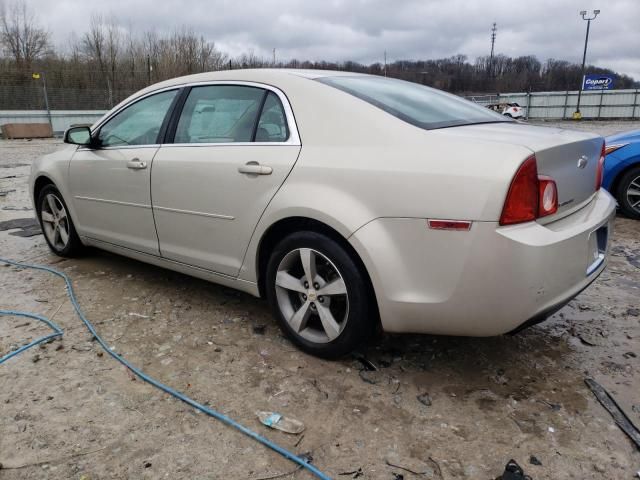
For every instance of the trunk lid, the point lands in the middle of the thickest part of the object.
(568, 156)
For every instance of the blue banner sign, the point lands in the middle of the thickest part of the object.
(597, 82)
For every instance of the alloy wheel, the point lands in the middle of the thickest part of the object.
(312, 295)
(633, 194)
(55, 221)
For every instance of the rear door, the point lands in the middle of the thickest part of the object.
(233, 146)
(111, 184)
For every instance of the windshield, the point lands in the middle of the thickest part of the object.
(416, 104)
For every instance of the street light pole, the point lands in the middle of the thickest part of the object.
(577, 115)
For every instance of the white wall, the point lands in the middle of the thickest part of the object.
(593, 104)
(60, 119)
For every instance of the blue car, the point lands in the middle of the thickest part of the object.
(622, 171)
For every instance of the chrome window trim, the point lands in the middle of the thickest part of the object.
(294, 135)
(121, 147)
(228, 144)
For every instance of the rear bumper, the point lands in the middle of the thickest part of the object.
(544, 314)
(487, 281)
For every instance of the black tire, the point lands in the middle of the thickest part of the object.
(507, 115)
(359, 313)
(632, 176)
(73, 246)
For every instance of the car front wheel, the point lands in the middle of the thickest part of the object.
(319, 295)
(56, 223)
(629, 193)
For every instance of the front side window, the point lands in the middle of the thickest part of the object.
(219, 114)
(138, 124)
(416, 104)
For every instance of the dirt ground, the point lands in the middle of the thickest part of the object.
(67, 411)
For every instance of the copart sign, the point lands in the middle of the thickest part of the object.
(597, 82)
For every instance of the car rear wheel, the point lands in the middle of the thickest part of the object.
(319, 295)
(56, 223)
(629, 193)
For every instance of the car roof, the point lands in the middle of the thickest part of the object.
(256, 75)
(277, 77)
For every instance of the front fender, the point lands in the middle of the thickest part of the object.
(614, 166)
(55, 167)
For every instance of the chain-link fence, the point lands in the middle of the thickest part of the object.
(76, 90)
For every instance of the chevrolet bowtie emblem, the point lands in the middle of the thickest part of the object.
(582, 161)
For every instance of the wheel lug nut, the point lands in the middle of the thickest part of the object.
(306, 284)
(304, 296)
(321, 300)
(316, 286)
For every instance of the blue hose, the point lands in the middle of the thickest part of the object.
(57, 332)
(302, 462)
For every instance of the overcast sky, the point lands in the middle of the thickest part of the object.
(362, 30)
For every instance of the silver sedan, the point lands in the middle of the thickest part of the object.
(348, 201)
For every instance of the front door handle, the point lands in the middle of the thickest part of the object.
(254, 168)
(136, 164)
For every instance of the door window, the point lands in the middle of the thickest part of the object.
(272, 126)
(219, 114)
(138, 124)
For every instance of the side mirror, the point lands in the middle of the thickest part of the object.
(78, 136)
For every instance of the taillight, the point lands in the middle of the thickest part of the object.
(521, 204)
(530, 195)
(600, 169)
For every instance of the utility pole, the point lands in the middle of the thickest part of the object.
(577, 115)
(274, 57)
(385, 63)
(148, 70)
(494, 31)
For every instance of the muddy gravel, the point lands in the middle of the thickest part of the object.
(444, 407)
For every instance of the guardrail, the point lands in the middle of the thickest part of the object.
(600, 104)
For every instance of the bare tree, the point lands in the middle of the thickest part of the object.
(93, 43)
(20, 35)
(102, 45)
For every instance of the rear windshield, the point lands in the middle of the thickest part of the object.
(416, 104)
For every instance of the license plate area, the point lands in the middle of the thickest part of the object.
(597, 248)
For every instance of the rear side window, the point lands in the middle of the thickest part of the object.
(272, 126)
(416, 104)
(219, 114)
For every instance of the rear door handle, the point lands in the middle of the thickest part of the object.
(254, 168)
(136, 164)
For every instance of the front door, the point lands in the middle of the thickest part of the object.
(111, 184)
(232, 150)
